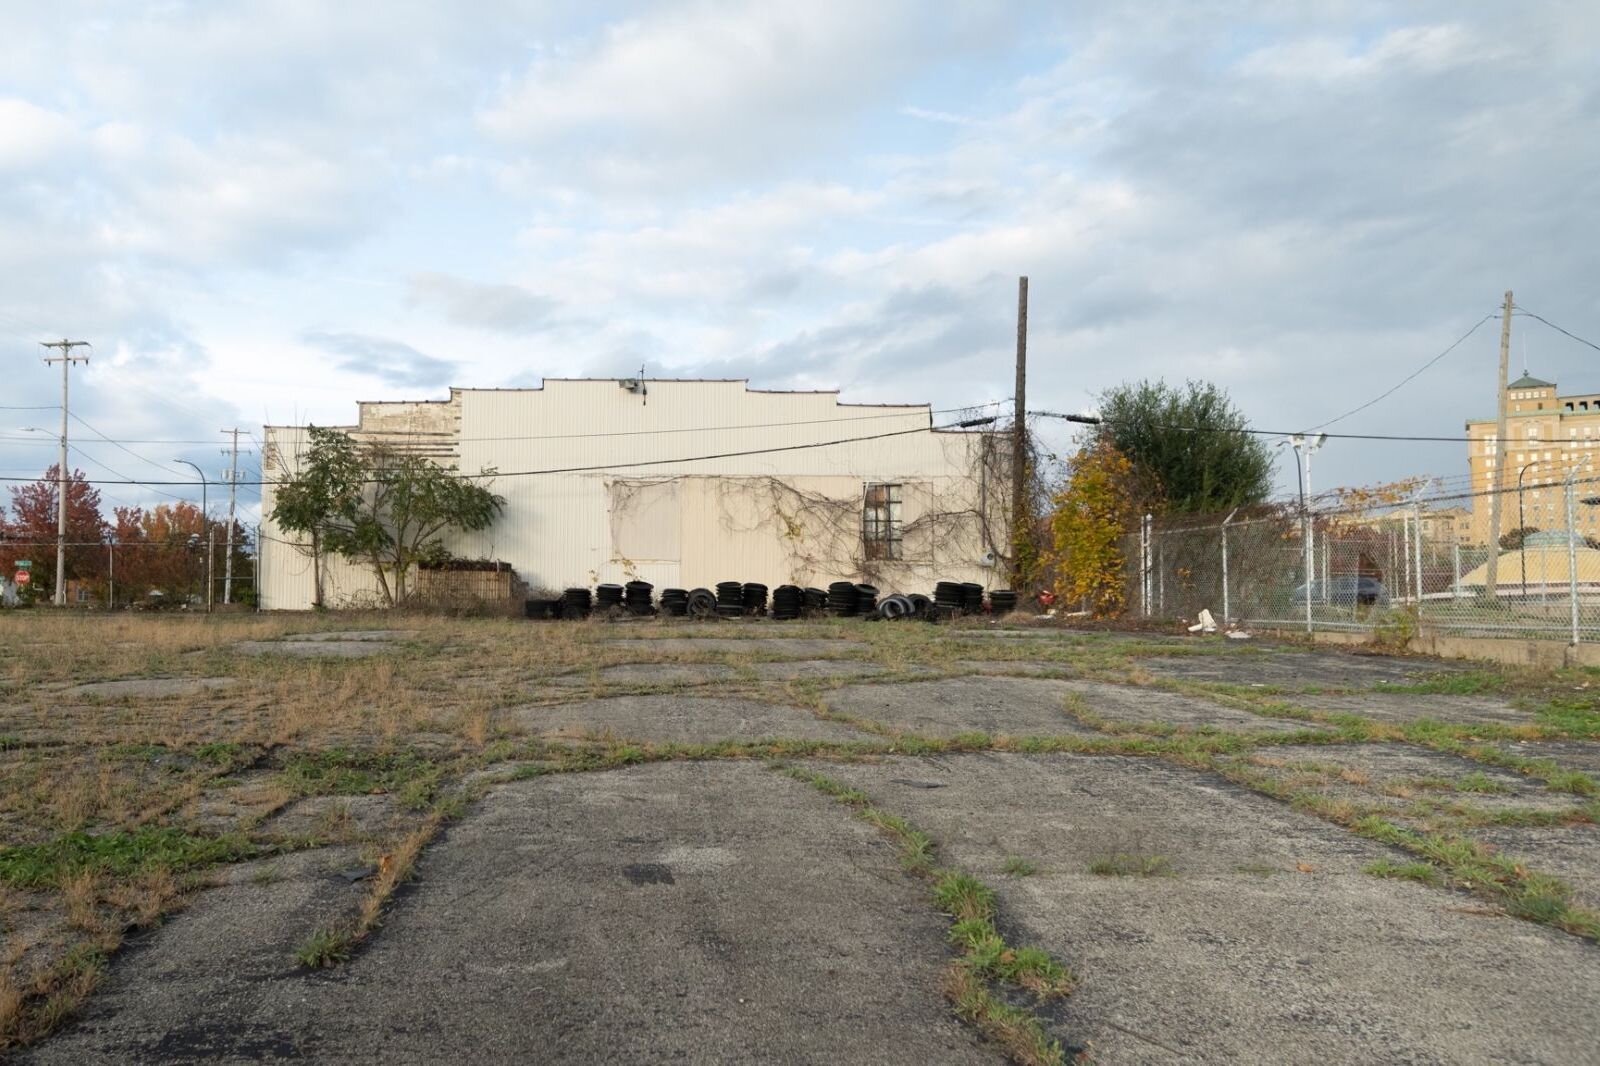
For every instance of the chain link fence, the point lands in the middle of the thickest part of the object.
(1359, 571)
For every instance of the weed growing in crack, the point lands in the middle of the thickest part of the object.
(1017, 866)
(327, 947)
(986, 956)
(1131, 864)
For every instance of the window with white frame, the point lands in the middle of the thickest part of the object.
(880, 521)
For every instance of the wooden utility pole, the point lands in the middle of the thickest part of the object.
(66, 359)
(1501, 453)
(1019, 440)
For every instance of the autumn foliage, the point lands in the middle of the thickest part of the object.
(1098, 505)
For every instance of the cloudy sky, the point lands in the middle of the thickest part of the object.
(263, 212)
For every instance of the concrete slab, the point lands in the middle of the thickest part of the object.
(711, 673)
(679, 720)
(344, 635)
(1147, 707)
(580, 918)
(151, 688)
(768, 647)
(1266, 944)
(1413, 707)
(998, 706)
(1294, 670)
(170, 992)
(1014, 668)
(314, 649)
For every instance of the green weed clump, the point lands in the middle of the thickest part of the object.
(119, 854)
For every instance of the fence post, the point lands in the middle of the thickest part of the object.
(1572, 551)
(1310, 566)
(1144, 566)
(1455, 568)
(1227, 612)
(1161, 578)
(1416, 542)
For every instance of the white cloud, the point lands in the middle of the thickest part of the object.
(30, 135)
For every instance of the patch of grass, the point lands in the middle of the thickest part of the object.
(327, 947)
(1469, 864)
(1015, 1030)
(1478, 781)
(221, 753)
(1017, 866)
(118, 854)
(343, 772)
(1406, 871)
(1132, 864)
(1573, 781)
(28, 1014)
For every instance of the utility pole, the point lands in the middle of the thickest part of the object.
(66, 359)
(1019, 439)
(233, 481)
(1501, 453)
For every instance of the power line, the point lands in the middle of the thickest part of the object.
(1558, 329)
(1095, 420)
(549, 436)
(1405, 380)
(968, 424)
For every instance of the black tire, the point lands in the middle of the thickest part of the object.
(702, 603)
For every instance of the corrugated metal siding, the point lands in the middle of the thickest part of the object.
(556, 528)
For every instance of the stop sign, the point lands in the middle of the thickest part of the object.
(23, 577)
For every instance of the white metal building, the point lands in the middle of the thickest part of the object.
(684, 484)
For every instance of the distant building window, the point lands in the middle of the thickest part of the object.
(83, 595)
(880, 521)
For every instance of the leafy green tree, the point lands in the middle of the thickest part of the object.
(1191, 441)
(382, 506)
(321, 498)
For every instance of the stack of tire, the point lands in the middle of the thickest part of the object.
(754, 598)
(575, 604)
(866, 600)
(971, 597)
(814, 601)
(1002, 601)
(948, 599)
(730, 599)
(541, 609)
(636, 595)
(702, 603)
(786, 602)
(675, 602)
(843, 598)
(608, 599)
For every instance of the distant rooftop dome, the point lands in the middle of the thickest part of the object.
(1528, 381)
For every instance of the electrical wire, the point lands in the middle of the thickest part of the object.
(609, 466)
(1095, 420)
(1405, 380)
(1520, 310)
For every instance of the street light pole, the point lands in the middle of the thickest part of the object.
(204, 522)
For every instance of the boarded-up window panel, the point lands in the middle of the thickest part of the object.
(645, 521)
